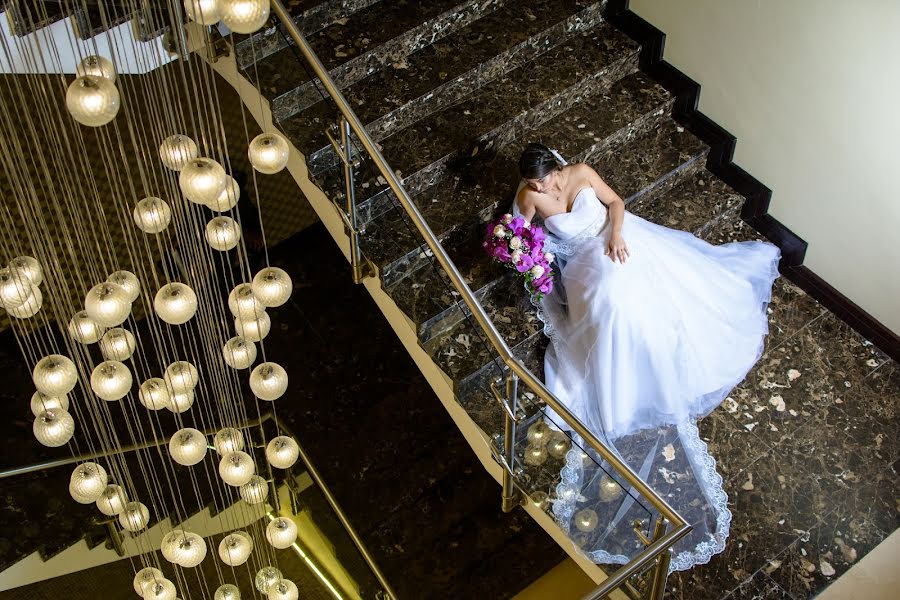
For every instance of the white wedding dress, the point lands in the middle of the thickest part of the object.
(639, 351)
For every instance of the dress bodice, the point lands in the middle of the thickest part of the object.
(586, 219)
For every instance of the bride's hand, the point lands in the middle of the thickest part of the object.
(617, 249)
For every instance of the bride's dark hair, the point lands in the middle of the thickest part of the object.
(536, 161)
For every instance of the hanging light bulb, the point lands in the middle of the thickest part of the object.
(558, 445)
(239, 353)
(535, 455)
(242, 302)
(181, 376)
(282, 452)
(162, 589)
(283, 590)
(84, 329)
(152, 215)
(538, 434)
(228, 439)
(255, 491)
(15, 288)
(281, 533)
(175, 303)
(235, 548)
(144, 578)
(154, 394)
(227, 592)
(204, 12)
(111, 380)
(268, 381)
(272, 286)
(268, 152)
(244, 16)
(117, 344)
(253, 330)
(128, 282)
(31, 306)
(92, 101)
(586, 520)
(229, 197)
(180, 402)
(609, 489)
(112, 500)
(135, 516)
(178, 150)
(236, 468)
(87, 482)
(54, 427)
(108, 304)
(29, 267)
(183, 548)
(41, 402)
(266, 577)
(55, 375)
(188, 446)
(202, 180)
(223, 233)
(96, 66)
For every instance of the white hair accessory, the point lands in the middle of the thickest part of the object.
(558, 157)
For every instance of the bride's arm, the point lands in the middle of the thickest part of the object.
(525, 202)
(616, 248)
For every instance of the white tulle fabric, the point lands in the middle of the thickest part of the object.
(639, 352)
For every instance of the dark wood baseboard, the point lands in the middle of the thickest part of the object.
(755, 211)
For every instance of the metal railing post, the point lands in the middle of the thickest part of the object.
(350, 194)
(661, 573)
(510, 493)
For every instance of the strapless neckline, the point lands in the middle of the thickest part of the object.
(578, 196)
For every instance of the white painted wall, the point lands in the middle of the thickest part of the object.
(811, 89)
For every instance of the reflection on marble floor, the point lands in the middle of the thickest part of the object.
(808, 446)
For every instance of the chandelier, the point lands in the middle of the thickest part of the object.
(129, 288)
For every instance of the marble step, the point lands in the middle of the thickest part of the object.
(27, 16)
(646, 167)
(380, 34)
(498, 113)
(701, 204)
(90, 19)
(310, 16)
(632, 105)
(445, 71)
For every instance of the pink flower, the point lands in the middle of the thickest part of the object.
(525, 264)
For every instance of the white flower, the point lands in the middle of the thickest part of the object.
(527, 225)
(548, 256)
(515, 243)
(507, 218)
(499, 231)
(537, 271)
(516, 257)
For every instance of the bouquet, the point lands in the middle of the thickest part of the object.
(517, 244)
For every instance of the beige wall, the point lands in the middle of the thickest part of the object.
(811, 89)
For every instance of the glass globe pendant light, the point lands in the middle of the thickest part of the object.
(96, 66)
(108, 304)
(202, 180)
(183, 548)
(236, 468)
(135, 517)
(41, 402)
(204, 12)
(128, 281)
(178, 150)
(29, 267)
(228, 439)
(111, 380)
(283, 590)
(269, 152)
(268, 381)
(160, 590)
(242, 302)
(223, 233)
(188, 446)
(31, 307)
(266, 577)
(282, 452)
(272, 286)
(152, 215)
(255, 491)
(586, 520)
(281, 533)
(244, 16)
(112, 500)
(239, 353)
(180, 402)
(175, 303)
(253, 330)
(15, 288)
(227, 592)
(53, 427)
(92, 101)
(229, 197)
(154, 394)
(144, 578)
(84, 329)
(87, 482)
(235, 548)
(117, 344)
(181, 376)
(55, 375)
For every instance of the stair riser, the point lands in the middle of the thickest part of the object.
(355, 69)
(464, 85)
(270, 41)
(504, 134)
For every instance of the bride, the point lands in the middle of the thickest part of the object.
(650, 329)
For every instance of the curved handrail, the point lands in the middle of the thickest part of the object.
(681, 527)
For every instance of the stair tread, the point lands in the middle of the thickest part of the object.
(399, 93)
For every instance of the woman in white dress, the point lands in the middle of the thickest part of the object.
(650, 330)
